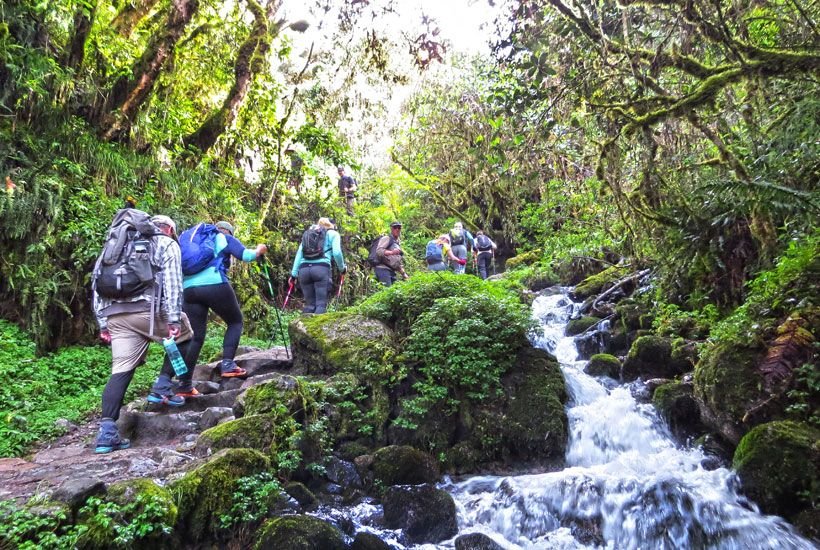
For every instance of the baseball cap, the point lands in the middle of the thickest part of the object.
(395, 224)
(225, 225)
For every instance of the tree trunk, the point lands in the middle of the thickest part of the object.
(83, 21)
(130, 16)
(129, 94)
(249, 62)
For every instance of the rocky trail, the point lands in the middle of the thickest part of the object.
(162, 438)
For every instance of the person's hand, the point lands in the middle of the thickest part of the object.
(462, 262)
(291, 281)
(173, 330)
(344, 271)
(261, 249)
(105, 336)
(405, 275)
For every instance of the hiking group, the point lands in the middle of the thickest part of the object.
(151, 285)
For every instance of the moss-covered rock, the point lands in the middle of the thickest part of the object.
(727, 384)
(528, 422)
(632, 315)
(258, 431)
(206, 492)
(595, 284)
(577, 326)
(368, 541)
(403, 465)
(651, 357)
(523, 259)
(603, 364)
(779, 466)
(676, 403)
(299, 533)
(424, 513)
(270, 396)
(136, 500)
(301, 494)
(343, 342)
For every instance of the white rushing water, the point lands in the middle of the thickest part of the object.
(625, 485)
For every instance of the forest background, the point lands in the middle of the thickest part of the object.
(676, 135)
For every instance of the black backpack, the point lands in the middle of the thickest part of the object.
(125, 267)
(373, 259)
(456, 237)
(483, 243)
(313, 242)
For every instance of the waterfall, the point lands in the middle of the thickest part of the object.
(626, 485)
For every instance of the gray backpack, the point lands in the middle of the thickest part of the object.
(125, 267)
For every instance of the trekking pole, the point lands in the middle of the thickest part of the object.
(287, 296)
(339, 291)
(266, 270)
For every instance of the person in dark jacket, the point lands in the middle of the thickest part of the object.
(314, 274)
(484, 250)
(210, 289)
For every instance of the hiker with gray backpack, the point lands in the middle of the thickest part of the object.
(206, 257)
(320, 246)
(484, 251)
(386, 256)
(137, 299)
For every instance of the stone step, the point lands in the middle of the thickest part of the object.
(255, 362)
(157, 427)
(224, 398)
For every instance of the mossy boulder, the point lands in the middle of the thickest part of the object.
(633, 315)
(595, 284)
(525, 258)
(727, 384)
(424, 513)
(779, 466)
(603, 364)
(527, 422)
(258, 431)
(206, 492)
(676, 403)
(651, 357)
(404, 465)
(577, 326)
(134, 498)
(301, 494)
(299, 532)
(343, 342)
(271, 395)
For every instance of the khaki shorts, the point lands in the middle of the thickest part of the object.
(130, 337)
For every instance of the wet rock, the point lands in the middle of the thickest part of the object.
(213, 415)
(577, 326)
(76, 491)
(651, 357)
(404, 465)
(299, 533)
(342, 472)
(301, 494)
(591, 343)
(424, 513)
(66, 426)
(368, 541)
(603, 364)
(476, 541)
(779, 466)
(595, 284)
(676, 404)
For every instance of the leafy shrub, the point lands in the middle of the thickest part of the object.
(252, 499)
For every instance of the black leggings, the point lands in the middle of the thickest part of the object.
(222, 300)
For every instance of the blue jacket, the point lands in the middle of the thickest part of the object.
(225, 246)
(333, 251)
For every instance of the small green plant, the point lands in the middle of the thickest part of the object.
(32, 528)
(121, 526)
(252, 499)
(805, 395)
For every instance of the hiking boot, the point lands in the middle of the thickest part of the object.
(170, 400)
(230, 369)
(109, 439)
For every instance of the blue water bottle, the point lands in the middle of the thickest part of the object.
(174, 356)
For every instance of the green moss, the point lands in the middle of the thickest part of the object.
(577, 326)
(344, 342)
(603, 364)
(779, 466)
(299, 533)
(650, 357)
(728, 382)
(271, 396)
(527, 258)
(259, 431)
(403, 465)
(205, 493)
(595, 284)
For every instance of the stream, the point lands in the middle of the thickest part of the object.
(625, 485)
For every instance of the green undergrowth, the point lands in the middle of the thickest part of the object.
(67, 383)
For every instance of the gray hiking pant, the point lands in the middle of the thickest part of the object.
(460, 252)
(315, 282)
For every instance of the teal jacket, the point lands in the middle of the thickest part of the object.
(333, 251)
(217, 272)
